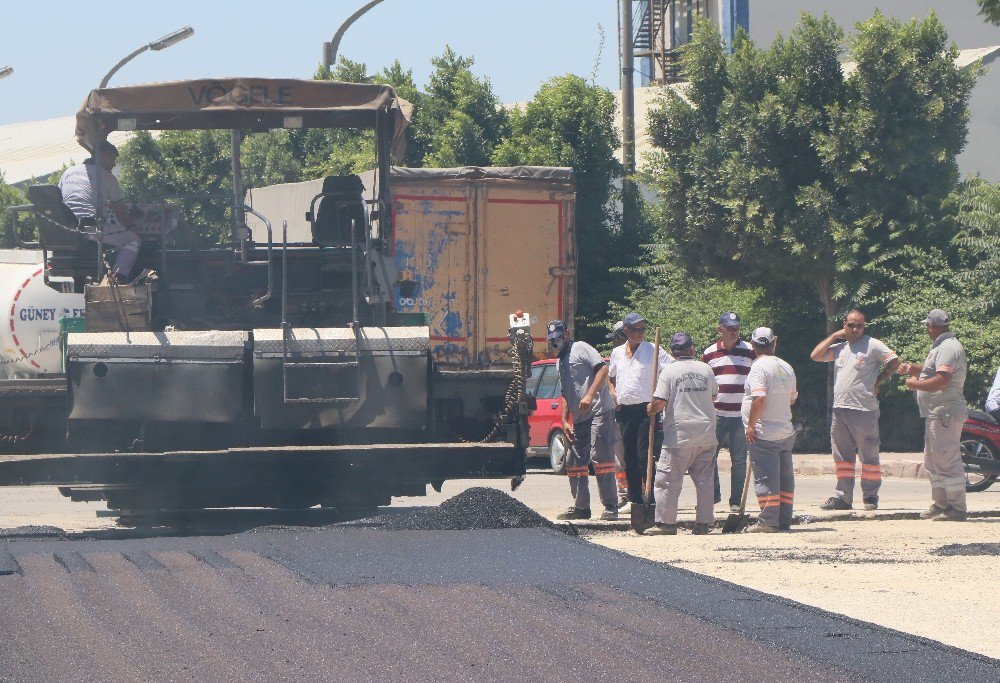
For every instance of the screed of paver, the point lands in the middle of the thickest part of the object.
(882, 572)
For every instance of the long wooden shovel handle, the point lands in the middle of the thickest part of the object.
(652, 420)
(746, 485)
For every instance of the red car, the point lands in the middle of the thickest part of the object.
(546, 438)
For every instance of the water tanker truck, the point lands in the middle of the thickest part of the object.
(311, 359)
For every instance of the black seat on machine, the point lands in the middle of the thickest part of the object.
(71, 253)
(342, 201)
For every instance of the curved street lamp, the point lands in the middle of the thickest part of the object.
(330, 48)
(6, 71)
(158, 44)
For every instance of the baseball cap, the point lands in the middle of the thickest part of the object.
(616, 331)
(632, 319)
(729, 319)
(763, 336)
(681, 340)
(555, 330)
(937, 317)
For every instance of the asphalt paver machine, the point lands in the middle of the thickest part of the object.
(269, 374)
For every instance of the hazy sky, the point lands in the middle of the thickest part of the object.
(61, 49)
(517, 43)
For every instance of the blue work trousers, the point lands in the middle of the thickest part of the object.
(729, 431)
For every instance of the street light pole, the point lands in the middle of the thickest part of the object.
(157, 45)
(6, 71)
(330, 48)
(628, 111)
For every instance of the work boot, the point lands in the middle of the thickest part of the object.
(609, 514)
(871, 503)
(932, 512)
(623, 501)
(760, 529)
(951, 515)
(835, 503)
(574, 513)
(662, 530)
(700, 529)
(734, 508)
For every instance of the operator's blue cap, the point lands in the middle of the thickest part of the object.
(729, 319)
(556, 329)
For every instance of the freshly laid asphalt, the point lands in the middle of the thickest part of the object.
(360, 604)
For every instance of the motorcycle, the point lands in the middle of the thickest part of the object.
(980, 451)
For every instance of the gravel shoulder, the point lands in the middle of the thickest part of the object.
(884, 572)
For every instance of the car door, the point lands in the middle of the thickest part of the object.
(549, 409)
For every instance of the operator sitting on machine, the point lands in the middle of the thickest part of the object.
(77, 188)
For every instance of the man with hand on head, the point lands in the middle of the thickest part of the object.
(730, 360)
(860, 365)
(767, 416)
(939, 384)
(631, 373)
(583, 376)
(685, 392)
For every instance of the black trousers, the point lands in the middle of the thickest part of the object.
(634, 426)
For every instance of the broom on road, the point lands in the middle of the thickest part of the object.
(643, 514)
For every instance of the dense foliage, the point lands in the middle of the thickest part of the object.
(823, 187)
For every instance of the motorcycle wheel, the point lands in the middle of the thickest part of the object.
(979, 448)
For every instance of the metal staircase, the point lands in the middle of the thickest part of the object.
(654, 45)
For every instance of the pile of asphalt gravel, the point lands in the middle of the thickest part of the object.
(475, 508)
(960, 549)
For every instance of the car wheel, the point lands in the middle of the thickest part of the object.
(978, 448)
(558, 447)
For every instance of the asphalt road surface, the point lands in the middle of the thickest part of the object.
(371, 604)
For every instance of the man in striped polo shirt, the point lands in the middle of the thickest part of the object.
(730, 360)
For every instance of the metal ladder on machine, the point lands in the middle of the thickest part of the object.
(333, 370)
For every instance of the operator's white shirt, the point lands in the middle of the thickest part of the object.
(634, 376)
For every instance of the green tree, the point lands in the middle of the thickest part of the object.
(9, 196)
(780, 170)
(461, 119)
(991, 10)
(190, 167)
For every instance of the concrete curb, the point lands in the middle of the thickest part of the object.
(891, 468)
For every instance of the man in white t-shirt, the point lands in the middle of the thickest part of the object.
(78, 186)
(767, 416)
(631, 376)
(860, 364)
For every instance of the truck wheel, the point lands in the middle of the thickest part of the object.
(979, 448)
(558, 448)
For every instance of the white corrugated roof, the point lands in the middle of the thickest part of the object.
(39, 148)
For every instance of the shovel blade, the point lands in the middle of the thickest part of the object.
(736, 522)
(642, 517)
